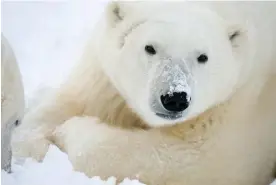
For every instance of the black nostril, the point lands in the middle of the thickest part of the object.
(175, 102)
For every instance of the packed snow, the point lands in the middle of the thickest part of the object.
(47, 38)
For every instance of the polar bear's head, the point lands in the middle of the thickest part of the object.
(169, 65)
(12, 100)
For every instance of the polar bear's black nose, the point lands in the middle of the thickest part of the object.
(175, 102)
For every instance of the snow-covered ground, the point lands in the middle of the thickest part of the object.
(47, 38)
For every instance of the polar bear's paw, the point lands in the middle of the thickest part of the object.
(77, 131)
(34, 148)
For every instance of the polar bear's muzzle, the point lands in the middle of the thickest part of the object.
(172, 90)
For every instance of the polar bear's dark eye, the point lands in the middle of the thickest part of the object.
(150, 49)
(234, 35)
(203, 58)
(17, 122)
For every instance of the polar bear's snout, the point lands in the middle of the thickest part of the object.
(172, 90)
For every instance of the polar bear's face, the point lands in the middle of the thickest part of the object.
(170, 69)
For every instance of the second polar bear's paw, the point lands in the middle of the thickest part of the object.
(34, 148)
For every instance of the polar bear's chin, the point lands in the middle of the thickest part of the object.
(160, 119)
(170, 116)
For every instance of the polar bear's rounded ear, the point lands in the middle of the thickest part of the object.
(115, 12)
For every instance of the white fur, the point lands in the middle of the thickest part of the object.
(238, 148)
(116, 81)
(12, 100)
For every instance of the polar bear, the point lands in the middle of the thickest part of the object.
(12, 100)
(181, 90)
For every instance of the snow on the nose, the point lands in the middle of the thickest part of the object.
(178, 77)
